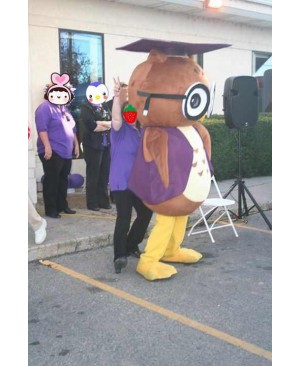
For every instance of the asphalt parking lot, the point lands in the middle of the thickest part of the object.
(217, 312)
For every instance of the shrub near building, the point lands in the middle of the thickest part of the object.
(256, 148)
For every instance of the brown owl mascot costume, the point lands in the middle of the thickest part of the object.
(171, 173)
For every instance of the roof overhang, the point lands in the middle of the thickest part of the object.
(256, 13)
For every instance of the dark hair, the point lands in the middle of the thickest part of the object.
(61, 89)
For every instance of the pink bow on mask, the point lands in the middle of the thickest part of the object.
(59, 79)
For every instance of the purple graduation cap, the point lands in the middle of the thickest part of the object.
(172, 47)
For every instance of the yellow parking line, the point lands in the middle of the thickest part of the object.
(243, 226)
(167, 313)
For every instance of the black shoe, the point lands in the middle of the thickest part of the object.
(106, 207)
(53, 215)
(135, 253)
(94, 208)
(69, 211)
(120, 263)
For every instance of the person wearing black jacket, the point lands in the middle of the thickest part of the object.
(96, 121)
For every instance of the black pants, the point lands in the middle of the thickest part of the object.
(55, 184)
(97, 176)
(126, 240)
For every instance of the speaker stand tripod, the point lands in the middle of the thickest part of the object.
(243, 209)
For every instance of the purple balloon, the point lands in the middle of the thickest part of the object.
(74, 180)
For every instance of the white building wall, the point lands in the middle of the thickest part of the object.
(122, 24)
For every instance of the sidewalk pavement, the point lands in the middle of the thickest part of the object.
(89, 230)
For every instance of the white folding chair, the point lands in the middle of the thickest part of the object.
(214, 203)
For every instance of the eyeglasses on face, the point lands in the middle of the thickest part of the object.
(195, 101)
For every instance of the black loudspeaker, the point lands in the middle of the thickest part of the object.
(267, 91)
(240, 101)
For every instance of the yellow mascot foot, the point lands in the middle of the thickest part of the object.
(155, 270)
(184, 255)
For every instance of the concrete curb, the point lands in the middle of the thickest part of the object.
(48, 250)
(86, 231)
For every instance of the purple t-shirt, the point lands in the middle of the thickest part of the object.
(124, 146)
(58, 122)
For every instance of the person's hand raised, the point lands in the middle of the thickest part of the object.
(120, 91)
(117, 87)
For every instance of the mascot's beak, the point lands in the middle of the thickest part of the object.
(202, 119)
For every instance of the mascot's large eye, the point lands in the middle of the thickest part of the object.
(196, 101)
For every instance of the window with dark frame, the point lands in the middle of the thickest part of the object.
(82, 58)
(259, 58)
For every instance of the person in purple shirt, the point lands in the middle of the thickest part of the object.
(56, 142)
(125, 140)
